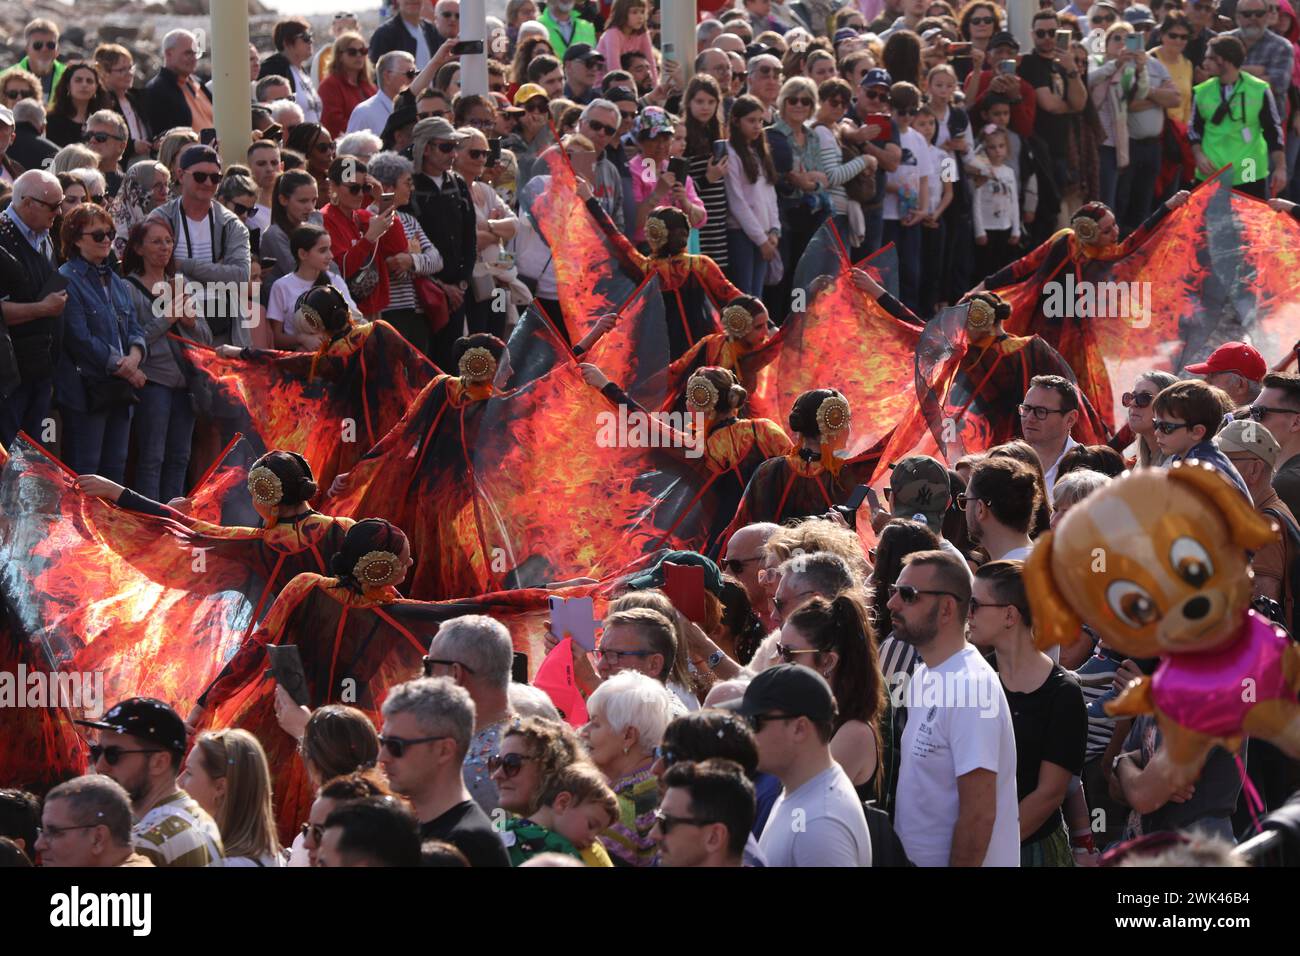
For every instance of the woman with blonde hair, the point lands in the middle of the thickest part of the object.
(227, 774)
(351, 80)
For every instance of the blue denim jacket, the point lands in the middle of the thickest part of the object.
(97, 334)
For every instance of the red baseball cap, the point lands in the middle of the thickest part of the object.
(1237, 357)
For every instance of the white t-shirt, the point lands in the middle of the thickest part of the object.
(820, 824)
(422, 52)
(199, 244)
(934, 159)
(260, 219)
(914, 165)
(285, 293)
(958, 720)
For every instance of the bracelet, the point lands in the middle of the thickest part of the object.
(1083, 842)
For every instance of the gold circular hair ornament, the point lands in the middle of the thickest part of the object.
(701, 394)
(1086, 229)
(265, 486)
(477, 365)
(656, 233)
(310, 319)
(377, 569)
(980, 316)
(737, 322)
(833, 417)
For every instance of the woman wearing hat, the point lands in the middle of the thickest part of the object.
(356, 637)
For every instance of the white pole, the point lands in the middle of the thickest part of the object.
(230, 93)
(1019, 21)
(677, 36)
(473, 66)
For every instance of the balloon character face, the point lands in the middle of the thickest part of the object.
(1155, 563)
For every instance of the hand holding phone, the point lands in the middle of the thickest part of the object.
(467, 48)
(719, 150)
(684, 585)
(574, 618)
(679, 168)
(286, 668)
(1063, 38)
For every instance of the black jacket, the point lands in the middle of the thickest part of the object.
(277, 64)
(29, 149)
(393, 35)
(164, 104)
(35, 344)
(448, 219)
(136, 99)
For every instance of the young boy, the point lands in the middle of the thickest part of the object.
(907, 193)
(1187, 417)
(939, 192)
(575, 808)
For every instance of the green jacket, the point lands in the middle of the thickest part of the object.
(1223, 142)
(59, 67)
(525, 839)
(584, 31)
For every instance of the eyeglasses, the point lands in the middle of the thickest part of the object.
(302, 36)
(412, 74)
(963, 499)
(1138, 399)
(799, 101)
(613, 658)
(790, 655)
(397, 745)
(54, 833)
(313, 830)
(476, 154)
(1044, 34)
(357, 50)
(241, 210)
(1168, 428)
(1037, 411)
(509, 765)
(446, 147)
(101, 137)
(767, 71)
(667, 821)
(758, 721)
(668, 755)
(1257, 412)
(201, 178)
(440, 114)
(446, 15)
(542, 108)
(97, 200)
(112, 754)
(1104, 21)
(602, 127)
(99, 235)
(913, 111)
(51, 206)
(353, 188)
(880, 96)
(736, 566)
(908, 594)
(982, 21)
(976, 604)
(431, 662)
(39, 45)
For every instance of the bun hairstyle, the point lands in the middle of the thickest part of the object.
(715, 389)
(365, 560)
(667, 230)
(803, 415)
(282, 478)
(742, 315)
(985, 310)
(481, 341)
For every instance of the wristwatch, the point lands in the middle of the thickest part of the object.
(715, 659)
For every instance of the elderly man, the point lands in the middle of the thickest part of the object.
(41, 38)
(271, 88)
(599, 123)
(394, 73)
(477, 653)
(106, 135)
(1235, 367)
(1268, 56)
(744, 560)
(212, 244)
(30, 149)
(716, 64)
(174, 97)
(86, 821)
(10, 169)
(406, 30)
(426, 735)
(32, 318)
(764, 74)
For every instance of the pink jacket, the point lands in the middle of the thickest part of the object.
(614, 43)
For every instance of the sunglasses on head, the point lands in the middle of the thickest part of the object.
(99, 235)
(39, 45)
(910, 595)
(112, 754)
(509, 765)
(101, 137)
(397, 745)
(1137, 399)
(1168, 428)
(213, 178)
(602, 127)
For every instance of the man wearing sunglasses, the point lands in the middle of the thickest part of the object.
(705, 815)
(1278, 410)
(1235, 120)
(956, 801)
(599, 122)
(42, 41)
(86, 821)
(426, 734)
(583, 67)
(744, 560)
(391, 76)
(817, 820)
(1061, 94)
(141, 745)
(106, 135)
(1268, 56)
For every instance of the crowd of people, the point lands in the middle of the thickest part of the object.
(780, 728)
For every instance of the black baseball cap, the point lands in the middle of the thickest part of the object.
(582, 51)
(146, 718)
(620, 95)
(1004, 38)
(790, 689)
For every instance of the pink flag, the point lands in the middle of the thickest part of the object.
(555, 676)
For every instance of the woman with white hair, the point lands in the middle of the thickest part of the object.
(362, 144)
(1072, 488)
(74, 156)
(628, 714)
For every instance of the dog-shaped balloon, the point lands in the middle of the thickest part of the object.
(1156, 563)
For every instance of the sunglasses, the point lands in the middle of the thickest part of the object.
(767, 71)
(542, 108)
(323, 147)
(439, 114)
(354, 188)
(1257, 412)
(52, 206)
(799, 101)
(201, 178)
(1037, 411)
(667, 821)
(982, 21)
(412, 74)
(241, 210)
(357, 50)
(602, 127)
(112, 754)
(397, 745)
(1252, 14)
(909, 595)
(17, 94)
(736, 566)
(1044, 34)
(1104, 21)
(976, 604)
(758, 721)
(302, 36)
(880, 96)
(790, 655)
(962, 500)
(1137, 399)
(476, 154)
(913, 111)
(102, 137)
(54, 833)
(99, 235)
(446, 147)
(1168, 428)
(45, 45)
(1178, 36)
(431, 662)
(509, 765)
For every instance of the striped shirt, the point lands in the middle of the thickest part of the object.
(401, 292)
(713, 234)
(178, 832)
(837, 171)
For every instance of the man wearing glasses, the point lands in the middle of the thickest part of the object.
(141, 746)
(42, 39)
(394, 73)
(86, 821)
(817, 820)
(1047, 415)
(1235, 121)
(106, 135)
(879, 137)
(1000, 502)
(765, 82)
(599, 122)
(1061, 93)
(31, 326)
(1278, 410)
(428, 723)
(744, 562)
(957, 803)
(1268, 56)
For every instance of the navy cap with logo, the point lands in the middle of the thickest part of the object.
(787, 689)
(146, 718)
(877, 77)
